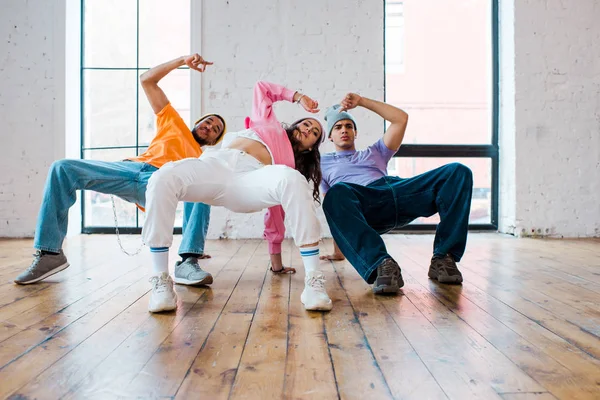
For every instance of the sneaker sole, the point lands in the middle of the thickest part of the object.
(388, 289)
(323, 307)
(452, 280)
(47, 274)
(206, 281)
(161, 309)
(326, 307)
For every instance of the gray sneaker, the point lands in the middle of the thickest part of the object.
(444, 270)
(189, 272)
(43, 266)
(389, 278)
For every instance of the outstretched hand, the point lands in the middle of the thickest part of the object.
(309, 104)
(350, 101)
(196, 62)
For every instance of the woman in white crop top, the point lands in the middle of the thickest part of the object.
(263, 166)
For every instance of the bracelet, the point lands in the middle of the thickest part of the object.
(299, 98)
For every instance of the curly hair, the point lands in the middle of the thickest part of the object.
(308, 162)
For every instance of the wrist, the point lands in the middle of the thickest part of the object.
(361, 101)
(297, 97)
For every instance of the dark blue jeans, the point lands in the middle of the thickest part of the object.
(358, 215)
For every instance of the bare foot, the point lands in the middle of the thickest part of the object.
(333, 257)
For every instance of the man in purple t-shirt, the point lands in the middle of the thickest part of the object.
(362, 201)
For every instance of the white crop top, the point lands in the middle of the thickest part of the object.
(248, 134)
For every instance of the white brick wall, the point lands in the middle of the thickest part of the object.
(550, 117)
(31, 107)
(324, 49)
(557, 103)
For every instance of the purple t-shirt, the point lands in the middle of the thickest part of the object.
(351, 166)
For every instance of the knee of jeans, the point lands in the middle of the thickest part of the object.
(462, 170)
(61, 167)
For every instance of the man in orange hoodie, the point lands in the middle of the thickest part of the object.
(128, 179)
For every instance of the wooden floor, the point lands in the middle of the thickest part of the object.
(524, 325)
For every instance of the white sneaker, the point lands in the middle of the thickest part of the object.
(163, 297)
(315, 297)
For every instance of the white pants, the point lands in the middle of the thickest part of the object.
(232, 179)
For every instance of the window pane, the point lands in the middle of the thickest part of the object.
(109, 33)
(98, 206)
(164, 31)
(481, 204)
(109, 108)
(438, 69)
(176, 86)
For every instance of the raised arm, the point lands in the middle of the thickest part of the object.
(267, 93)
(398, 118)
(149, 79)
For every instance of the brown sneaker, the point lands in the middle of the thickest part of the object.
(444, 270)
(389, 278)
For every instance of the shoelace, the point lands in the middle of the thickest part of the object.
(159, 284)
(388, 269)
(37, 257)
(449, 266)
(317, 282)
(194, 264)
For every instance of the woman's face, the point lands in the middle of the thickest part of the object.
(307, 132)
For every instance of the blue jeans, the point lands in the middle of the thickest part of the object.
(126, 179)
(357, 215)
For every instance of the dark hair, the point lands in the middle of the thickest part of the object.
(308, 162)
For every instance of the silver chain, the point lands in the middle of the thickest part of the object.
(112, 199)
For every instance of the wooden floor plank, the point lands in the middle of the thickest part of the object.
(308, 371)
(356, 369)
(524, 325)
(261, 371)
(573, 325)
(112, 372)
(188, 340)
(406, 373)
(25, 368)
(535, 361)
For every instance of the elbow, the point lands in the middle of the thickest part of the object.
(145, 78)
(401, 119)
(260, 86)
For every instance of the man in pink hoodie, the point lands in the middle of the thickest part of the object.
(263, 166)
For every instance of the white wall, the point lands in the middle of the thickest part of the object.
(553, 134)
(32, 53)
(323, 49)
(550, 115)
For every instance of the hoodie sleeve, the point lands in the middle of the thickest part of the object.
(265, 94)
(274, 228)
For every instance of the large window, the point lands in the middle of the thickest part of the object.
(440, 66)
(120, 40)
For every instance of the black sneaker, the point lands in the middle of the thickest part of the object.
(389, 278)
(444, 270)
(42, 266)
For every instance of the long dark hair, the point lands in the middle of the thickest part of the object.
(308, 162)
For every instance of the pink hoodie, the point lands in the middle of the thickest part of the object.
(265, 124)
